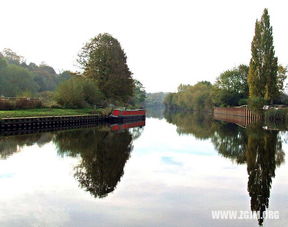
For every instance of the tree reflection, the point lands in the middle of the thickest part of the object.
(11, 144)
(103, 153)
(260, 149)
(264, 152)
(198, 124)
(103, 156)
(230, 141)
(155, 112)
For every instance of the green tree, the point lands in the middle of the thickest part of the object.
(104, 60)
(234, 81)
(262, 76)
(139, 94)
(12, 57)
(15, 80)
(281, 77)
(191, 97)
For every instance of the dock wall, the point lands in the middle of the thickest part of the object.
(239, 115)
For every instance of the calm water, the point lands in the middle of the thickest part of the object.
(173, 172)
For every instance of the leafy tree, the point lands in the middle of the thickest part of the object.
(104, 60)
(188, 97)
(263, 66)
(12, 57)
(16, 80)
(223, 97)
(234, 81)
(139, 94)
(281, 77)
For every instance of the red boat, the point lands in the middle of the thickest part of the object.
(128, 113)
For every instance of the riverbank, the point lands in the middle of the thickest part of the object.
(53, 112)
(61, 119)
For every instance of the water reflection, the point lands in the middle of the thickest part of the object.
(103, 156)
(11, 144)
(155, 112)
(199, 125)
(103, 153)
(260, 149)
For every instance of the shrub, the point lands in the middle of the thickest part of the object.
(78, 93)
(256, 104)
(243, 102)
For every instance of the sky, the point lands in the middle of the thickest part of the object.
(167, 42)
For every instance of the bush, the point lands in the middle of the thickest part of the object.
(243, 102)
(256, 104)
(78, 93)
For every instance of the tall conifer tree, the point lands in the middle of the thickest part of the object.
(262, 77)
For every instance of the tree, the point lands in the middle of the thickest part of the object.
(234, 81)
(188, 97)
(104, 60)
(281, 77)
(12, 57)
(139, 94)
(14, 80)
(262, 76)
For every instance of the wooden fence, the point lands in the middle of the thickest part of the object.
(238, 115)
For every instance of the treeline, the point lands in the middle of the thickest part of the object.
(19, 79)
(155, 99)
(105, 78)
(260, 83)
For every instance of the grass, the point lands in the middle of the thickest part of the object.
(50, 112)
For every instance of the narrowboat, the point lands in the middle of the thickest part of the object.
(127, 115)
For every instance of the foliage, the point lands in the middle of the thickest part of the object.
(234, 81)
(139, 94)
(16, 77)
(188, 97)
(78, 93)
(262, 77)
(16, 80)
(256, 103)
(222, 97)
(104, 61)
(281, 77)
(155, 99)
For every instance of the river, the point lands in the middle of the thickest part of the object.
(177, 170)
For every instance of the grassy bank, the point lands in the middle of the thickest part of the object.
(51, 112)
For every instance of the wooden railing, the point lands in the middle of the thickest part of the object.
(238, 115)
